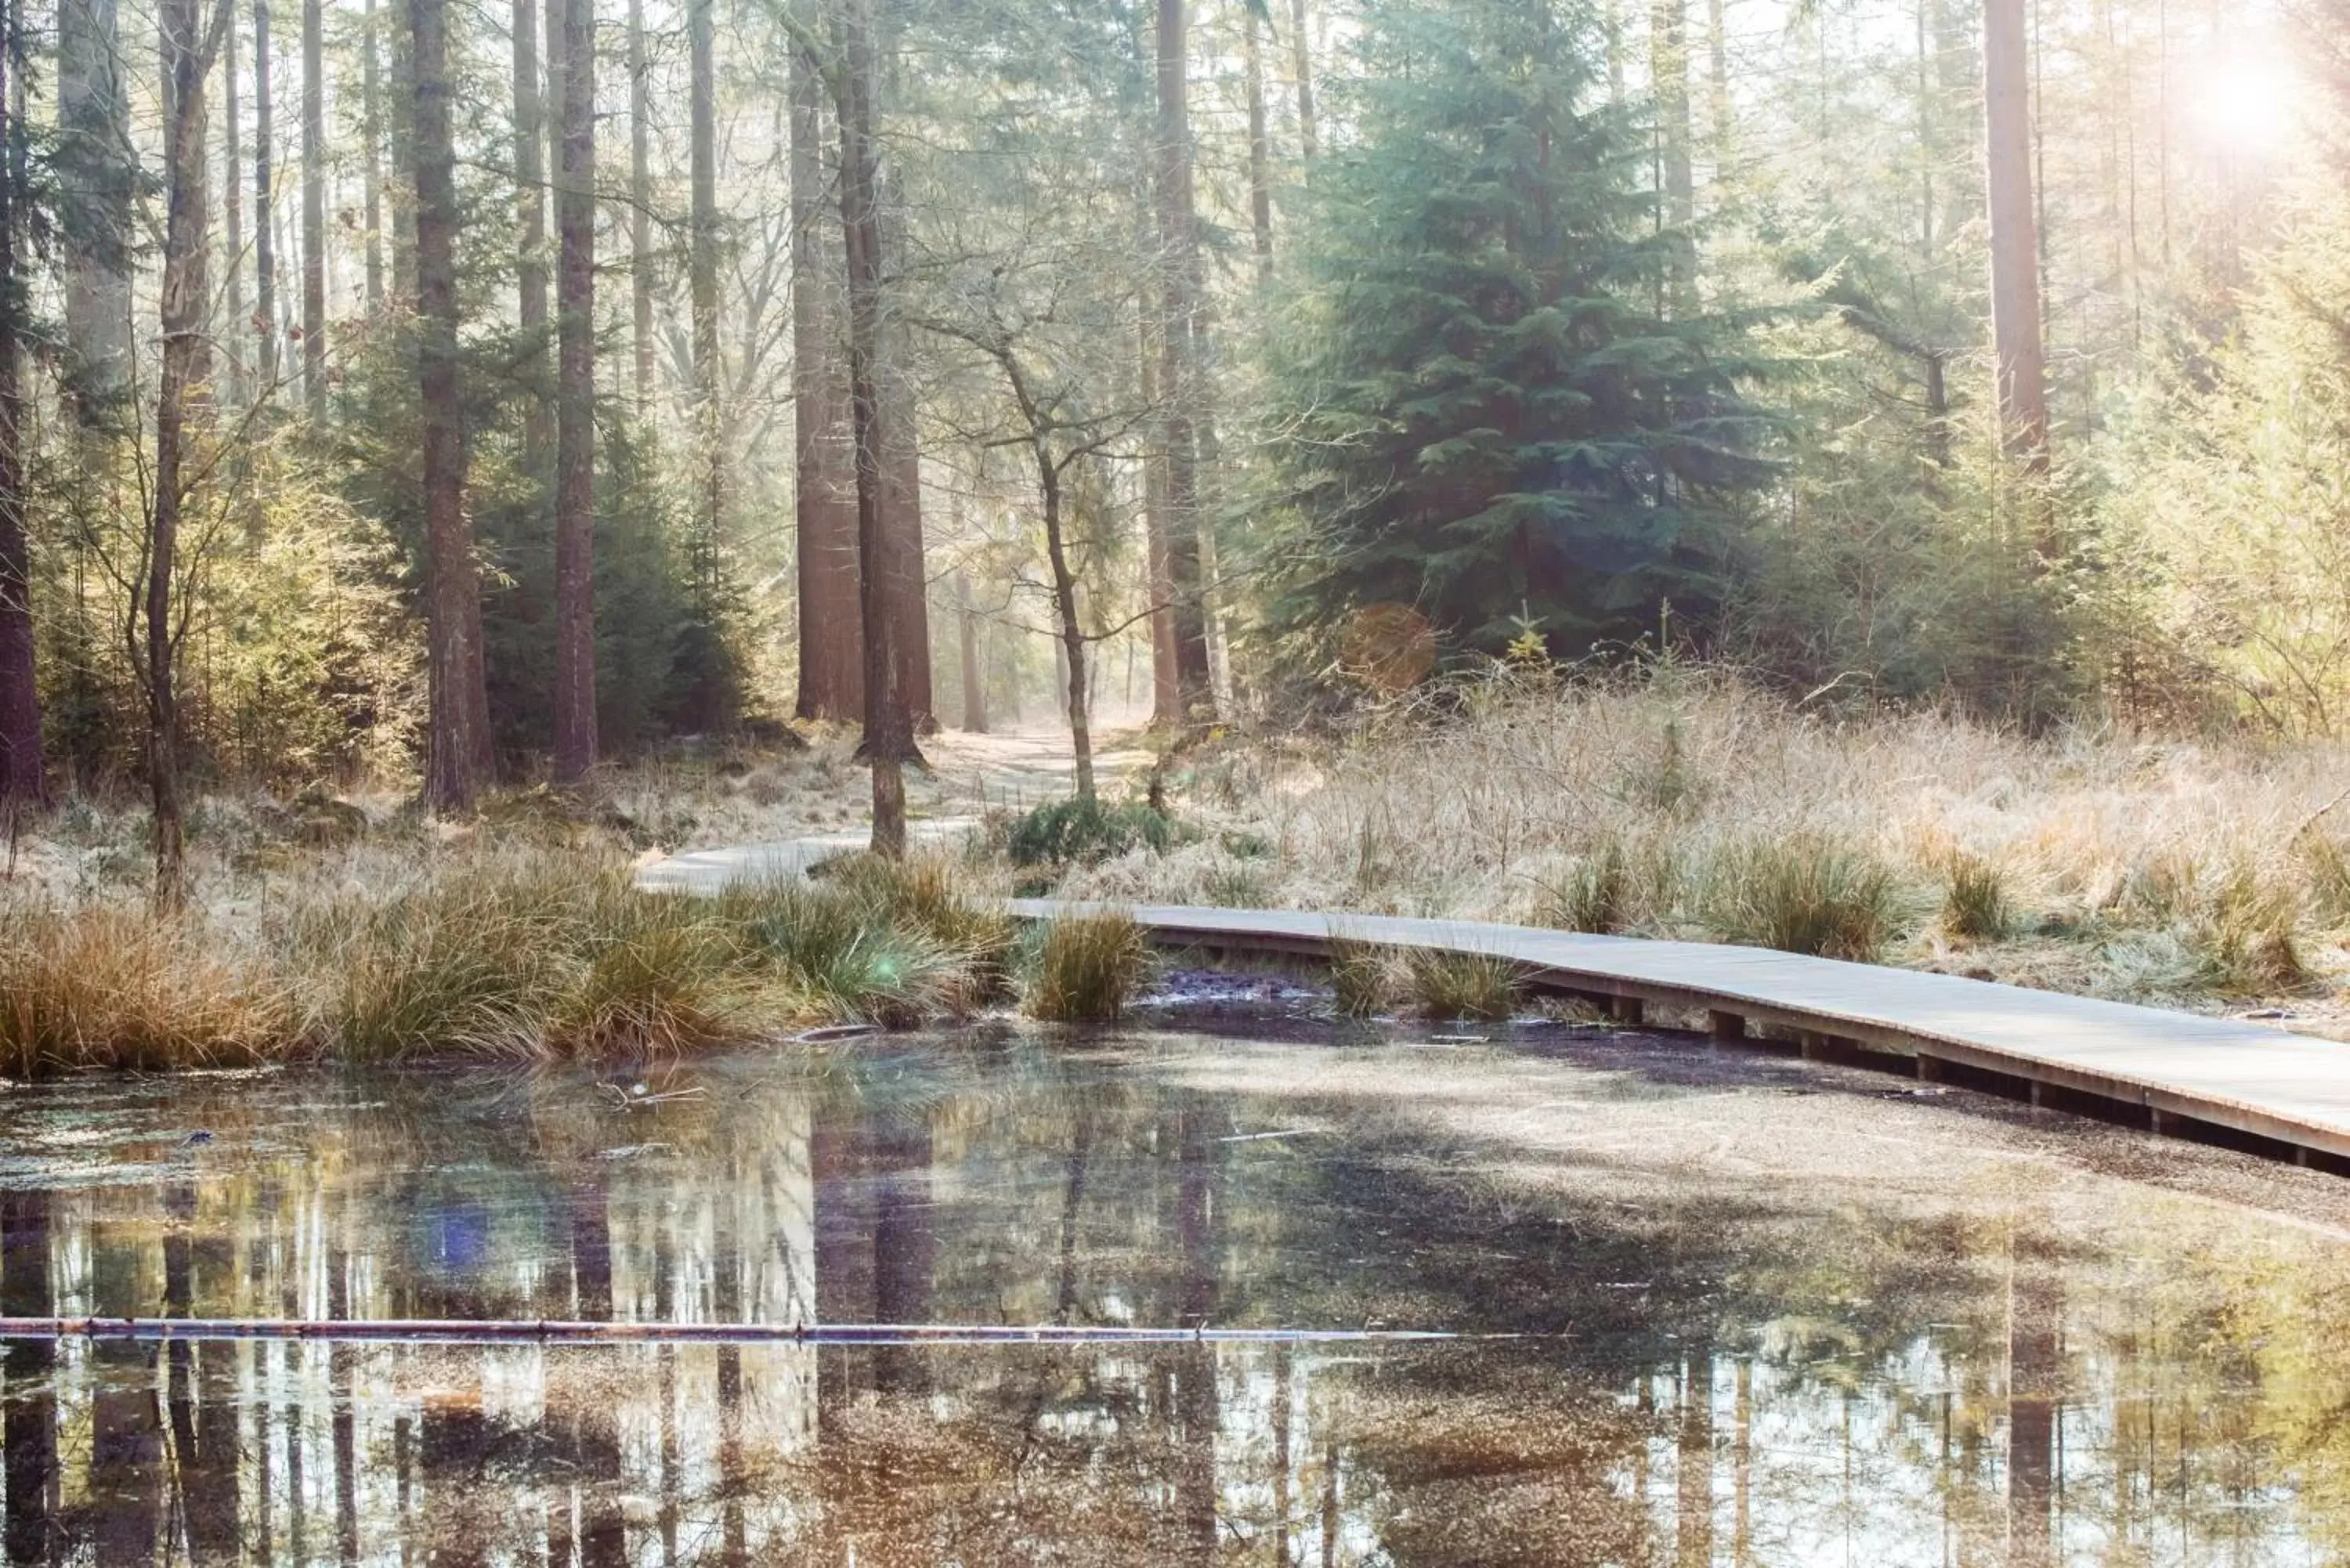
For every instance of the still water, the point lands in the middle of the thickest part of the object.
(1756, 1312)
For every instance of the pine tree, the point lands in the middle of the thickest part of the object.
(1500, 425)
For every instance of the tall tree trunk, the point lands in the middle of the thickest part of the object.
(701, 263)
(1669, 78)
(185, 297)
(641, 202)
(1301, 56)
(889, 742)
(530, 207)
(265, 222)
(974, 676)
(233, 214)
(1178, 389)
(314, 213)
(1259, 153)
(902, 458)
(24, 777)
(1072, 663)
(1166, 693)
(832, 617)
(2014, 238)
(575, 404)
(400, 137)
(459, 748)
(94, 161)
(1717, 50)
(371, 159)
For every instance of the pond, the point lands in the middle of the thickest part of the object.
(1717, 1307)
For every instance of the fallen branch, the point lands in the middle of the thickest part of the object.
(556, 1331)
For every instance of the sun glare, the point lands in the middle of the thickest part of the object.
(2249, 102)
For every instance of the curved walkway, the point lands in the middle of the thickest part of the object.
(2176, 1073)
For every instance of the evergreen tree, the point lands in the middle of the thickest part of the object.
(1497, 417)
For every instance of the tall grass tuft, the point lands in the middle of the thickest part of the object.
(1481, 986)
(847, 963)
(1975, 904)
(1362, 978)
(1807, 894)
(1086, 967)
(1594, 895)
(119, 988)
(2245, 932)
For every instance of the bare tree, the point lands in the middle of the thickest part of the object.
(189, 47)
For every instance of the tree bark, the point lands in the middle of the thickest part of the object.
(1259, 151)
(702, 261)
(314, 213)
(185, 297)
(575, 410)
(902, 458)
(2014, 238)
(831, 613)
(1073, 666)
(1669, 75)
(372, 158)
(24, 774)
(233, 216)
(1166, 693)
(889, 742)
(94, 161)
(1301, 55)
(1180, 267)
(459, 750)
(530, 208)
(264, 226)
(640, 204)
(974, 677)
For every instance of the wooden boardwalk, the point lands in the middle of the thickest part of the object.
(2178, 1073)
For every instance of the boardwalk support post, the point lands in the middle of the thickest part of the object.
(1727, 1028)
(1626, 1009)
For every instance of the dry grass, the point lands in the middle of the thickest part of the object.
(1086, 967)
(112, 988)
(2128, 865)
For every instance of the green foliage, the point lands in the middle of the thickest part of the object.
(1496, 415)
(1085, 968)
(1802, 894)
(1082, 831)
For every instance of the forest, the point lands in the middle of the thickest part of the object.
(414, 415)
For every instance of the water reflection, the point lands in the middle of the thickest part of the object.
(1740, 1371)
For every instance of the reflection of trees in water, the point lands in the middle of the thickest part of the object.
(1742, 1378)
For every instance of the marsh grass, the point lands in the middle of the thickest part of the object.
(1594, 894)
(108, 987)
(1484, 987)
(1085, 968)
(1975, 904)
(1805, 894)
(1363, 977)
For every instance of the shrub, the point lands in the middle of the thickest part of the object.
(1975, 904)
(1807, 894)
(1085, 968)
(1482, 986)
(1081, 830)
